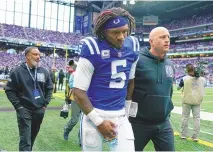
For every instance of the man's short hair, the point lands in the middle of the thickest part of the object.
(28, 49)
(189, 68)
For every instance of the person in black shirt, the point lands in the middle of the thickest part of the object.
(29, 89)
(6, 70)
(61, 76)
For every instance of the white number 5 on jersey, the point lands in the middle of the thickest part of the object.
(115, 74)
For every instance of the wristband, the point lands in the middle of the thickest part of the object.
(95, 118)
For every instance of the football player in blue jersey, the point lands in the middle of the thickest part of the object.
(104, 80)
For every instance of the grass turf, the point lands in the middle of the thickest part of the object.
(50, 137)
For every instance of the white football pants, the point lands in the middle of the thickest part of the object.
(92, 140)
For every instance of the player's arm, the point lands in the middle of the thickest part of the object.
(82, 81)
(130, 87)
(82, 100)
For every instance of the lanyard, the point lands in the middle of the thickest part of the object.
(34, 79)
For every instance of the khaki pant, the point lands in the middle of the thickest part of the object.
(186, 109)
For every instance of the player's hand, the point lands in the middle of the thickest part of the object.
(107, 129)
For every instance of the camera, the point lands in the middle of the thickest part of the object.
(197, 71)
(65, 111)
(200, 68)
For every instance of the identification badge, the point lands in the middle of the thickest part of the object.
(36, 94)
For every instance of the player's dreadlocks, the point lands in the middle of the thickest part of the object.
(108, 14)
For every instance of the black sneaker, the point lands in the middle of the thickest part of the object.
(66, 135)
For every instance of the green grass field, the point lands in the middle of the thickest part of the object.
(50, 137)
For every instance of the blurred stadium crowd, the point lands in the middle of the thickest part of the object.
(9, 60)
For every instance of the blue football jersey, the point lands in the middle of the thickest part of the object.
(108, 87)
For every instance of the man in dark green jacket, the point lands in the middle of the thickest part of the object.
(153, 92)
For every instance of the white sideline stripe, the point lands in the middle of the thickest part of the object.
(203, 131)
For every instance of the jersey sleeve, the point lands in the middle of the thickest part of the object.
(133, 68)
(135, 46)
(83, 74)
(89, 49)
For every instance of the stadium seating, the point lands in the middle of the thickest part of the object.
(49, 36)
(14, 31)
(37, 34)
(186, 47)
(1, 32)
(176, 24)
(13, 60)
